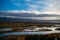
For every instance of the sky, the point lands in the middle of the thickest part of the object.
(35, 7)
(38, 5)
(22, 5)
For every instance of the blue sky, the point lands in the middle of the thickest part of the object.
(21, 5)
(39, 5)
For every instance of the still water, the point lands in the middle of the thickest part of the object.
(6, 29)
(25, 32)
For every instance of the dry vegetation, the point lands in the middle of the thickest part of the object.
(25, 24)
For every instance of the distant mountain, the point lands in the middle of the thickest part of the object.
(6, 19)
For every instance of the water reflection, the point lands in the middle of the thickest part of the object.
(41, 29)
(6, 29)
(31, 29)
(27, 33)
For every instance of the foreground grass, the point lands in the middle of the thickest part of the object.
(52, 36)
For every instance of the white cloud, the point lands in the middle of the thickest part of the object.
(18, 11)
(30, 11)
(8, 16)
(41, 18)
(46, 18)
(33, 18)
(52, 5)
